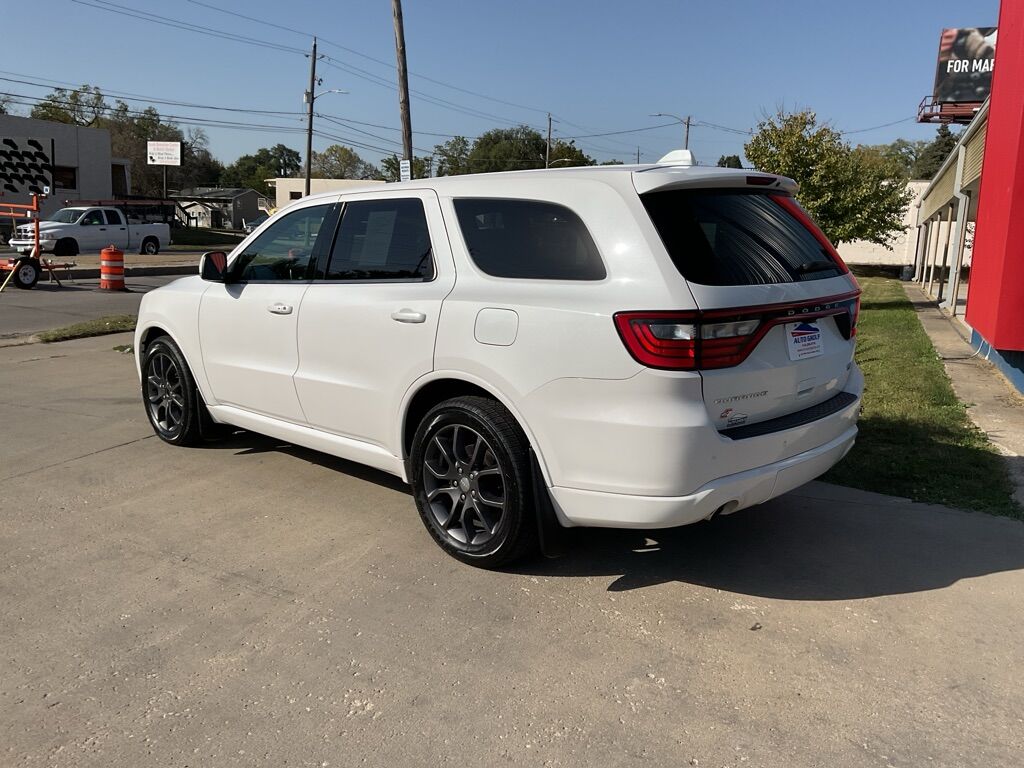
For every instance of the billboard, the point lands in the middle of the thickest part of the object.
(966, 58)
(26, 166)
(163, 153)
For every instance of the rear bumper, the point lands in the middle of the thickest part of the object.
(577, 507)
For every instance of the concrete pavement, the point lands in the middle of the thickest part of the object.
(252, 604)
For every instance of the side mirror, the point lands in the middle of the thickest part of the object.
(213, 266)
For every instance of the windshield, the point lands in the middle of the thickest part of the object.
(67, 215)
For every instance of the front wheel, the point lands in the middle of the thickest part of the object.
(470, 473)
(169, 392)
(26, 273)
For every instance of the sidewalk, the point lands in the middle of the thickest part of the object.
(993, 405)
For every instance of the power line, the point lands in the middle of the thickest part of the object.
(883, 125)
(367, 56)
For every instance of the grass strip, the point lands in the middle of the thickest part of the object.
(98, 327)
(916, 439)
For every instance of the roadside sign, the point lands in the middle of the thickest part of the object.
(406, 169)
(163, 153)
(26, 166)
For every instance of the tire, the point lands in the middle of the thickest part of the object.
(173, 404)
(470, 473)
(66, 246)
(150, 246)
(26, 273)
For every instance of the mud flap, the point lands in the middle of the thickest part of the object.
(554, 538)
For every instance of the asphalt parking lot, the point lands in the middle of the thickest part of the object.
(250, 603)
(49, 305)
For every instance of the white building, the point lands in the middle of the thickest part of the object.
(289, 190)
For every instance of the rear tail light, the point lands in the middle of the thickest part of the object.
(691, 341)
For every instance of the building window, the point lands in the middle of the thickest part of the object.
(65, 177)
(294, 195)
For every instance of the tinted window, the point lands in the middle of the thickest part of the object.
(382, 240)
(113, 217)
(528, 239)
(284, 250)
(736, 238)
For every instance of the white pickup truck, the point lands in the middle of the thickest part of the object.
(71, 231)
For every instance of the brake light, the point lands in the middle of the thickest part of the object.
(722, 338)
(675, 342)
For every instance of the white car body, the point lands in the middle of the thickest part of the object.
(618, 443)
(92, 228)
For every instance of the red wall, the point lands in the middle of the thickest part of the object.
(995, 303)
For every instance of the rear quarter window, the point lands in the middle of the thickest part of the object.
(528, 239)
(733, 237)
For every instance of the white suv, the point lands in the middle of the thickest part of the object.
(624, 346)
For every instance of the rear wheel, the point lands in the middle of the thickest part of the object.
(26, 273)
(151, 246)
(173, 404)
(470, 469)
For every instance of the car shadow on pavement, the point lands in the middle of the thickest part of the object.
(821, 542)
(813, 544)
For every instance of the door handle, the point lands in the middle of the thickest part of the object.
(277, 308)
(408, 316)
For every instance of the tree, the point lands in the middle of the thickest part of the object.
(851, 194)
(611, 162)
(520, 148)
(933, 155)
(729, 161)
(5, 105)
(453, 156)
(338, 162)
(252, 171)
(391, 169)
(903, 151)
(507, 149)
(566, 153)
(81, 106)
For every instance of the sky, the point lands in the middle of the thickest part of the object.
(597, 66)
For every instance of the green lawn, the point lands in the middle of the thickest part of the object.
(916, 439)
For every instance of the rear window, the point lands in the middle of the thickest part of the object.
(528, 239)
(737, 238)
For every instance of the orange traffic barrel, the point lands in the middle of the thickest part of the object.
(112, 269)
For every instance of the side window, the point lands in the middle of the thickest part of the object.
(92, 218)
(113, 217)
(284, 251)
(382, 240)
(528, 239)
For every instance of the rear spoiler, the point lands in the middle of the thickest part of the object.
(664, 177)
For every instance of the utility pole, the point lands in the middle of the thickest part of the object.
(403, 80)
(310, 97)
(638, 155)
(547, 152)
(686, 136)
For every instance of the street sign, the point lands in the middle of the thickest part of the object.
(163, 153)
(406, 169)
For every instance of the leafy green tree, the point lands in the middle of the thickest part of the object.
(5, 105)
(520, 148)
(611, 162)
(851, 194)
(934, 154)
(453, 157)
(338, 162)
(252, 171)
(903, 151)
(391, 169)
(507, 149)
(729, 161)
(81, 106)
